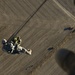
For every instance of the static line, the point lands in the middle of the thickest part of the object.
(27, 20)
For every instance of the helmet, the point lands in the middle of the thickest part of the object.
(18, 37)
(4, 41)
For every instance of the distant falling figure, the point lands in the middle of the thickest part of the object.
(74, 2)
(51, 48)
(68, 28)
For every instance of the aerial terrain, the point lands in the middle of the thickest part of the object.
(43, 31)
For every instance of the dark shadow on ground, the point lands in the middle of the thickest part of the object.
(29, 67)
(66, 60)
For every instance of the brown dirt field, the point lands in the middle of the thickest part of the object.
(44, 30)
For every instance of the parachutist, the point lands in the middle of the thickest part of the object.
(14, 46)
